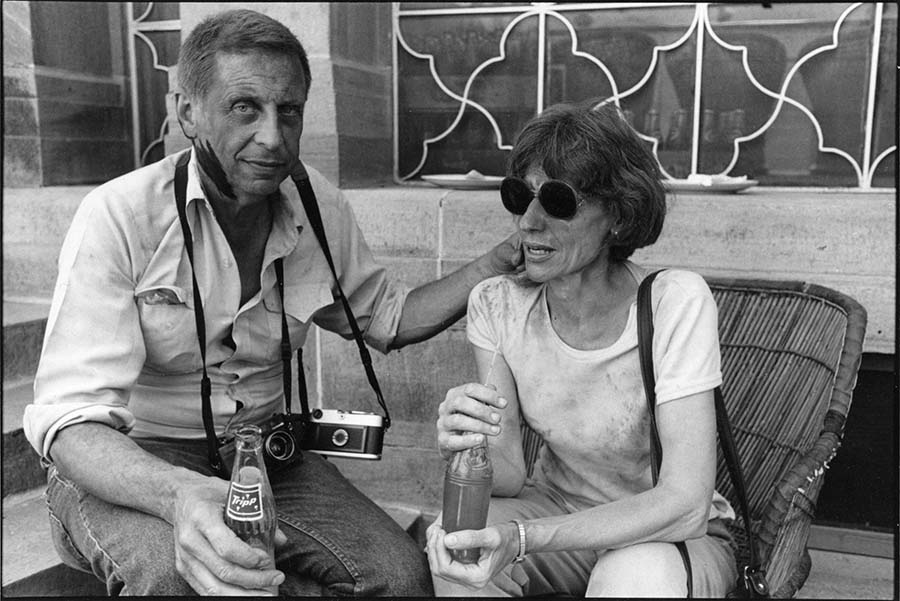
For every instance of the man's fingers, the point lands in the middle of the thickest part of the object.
(206, 583)
(229, 560)
(225, 544)
(281, 538)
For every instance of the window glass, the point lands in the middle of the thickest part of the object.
(778, 101)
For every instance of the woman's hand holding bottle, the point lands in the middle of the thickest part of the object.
(467, 414)
(499, 545)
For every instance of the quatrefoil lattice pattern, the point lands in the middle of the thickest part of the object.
(797, 94)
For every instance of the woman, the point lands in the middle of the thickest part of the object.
(559, 346)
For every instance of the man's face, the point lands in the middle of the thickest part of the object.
(246, 130)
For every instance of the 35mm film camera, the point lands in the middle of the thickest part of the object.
(353, 434)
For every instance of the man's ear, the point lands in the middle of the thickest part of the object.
(186, 110)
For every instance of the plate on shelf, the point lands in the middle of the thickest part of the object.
(709, 183)
(464, 181)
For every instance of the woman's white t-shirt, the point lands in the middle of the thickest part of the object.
(589, 405)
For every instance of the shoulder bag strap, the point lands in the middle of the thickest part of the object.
(753, 577)
(311, 206)
(645, 352)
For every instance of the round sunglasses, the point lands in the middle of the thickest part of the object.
(558, 199)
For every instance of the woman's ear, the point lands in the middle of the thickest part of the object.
(185, 110)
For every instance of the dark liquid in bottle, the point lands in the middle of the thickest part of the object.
(257, 534)
(466, 504)
(257, 526)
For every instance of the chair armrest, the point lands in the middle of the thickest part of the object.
(785, 522)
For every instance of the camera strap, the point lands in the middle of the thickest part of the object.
(212, 442)
(212, 447)
(286, 358)
(311, 206)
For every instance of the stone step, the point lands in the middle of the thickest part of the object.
(57, 581)
(31, 567)
(21, 466)
(24, 321)
(27, 547)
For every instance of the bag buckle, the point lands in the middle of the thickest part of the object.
(756, 582)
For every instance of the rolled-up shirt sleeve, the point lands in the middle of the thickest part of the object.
(93, 348)
(375, 297)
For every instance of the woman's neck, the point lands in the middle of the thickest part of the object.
(591, 312)
(585, 292)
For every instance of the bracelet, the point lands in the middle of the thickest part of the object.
(521, 555)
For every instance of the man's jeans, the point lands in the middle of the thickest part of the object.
(340, 542)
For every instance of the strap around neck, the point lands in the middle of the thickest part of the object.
(212, 448)
(215, 458)
(311, 206)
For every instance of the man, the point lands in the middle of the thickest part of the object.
(117, 413)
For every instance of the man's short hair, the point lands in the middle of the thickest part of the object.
(234, 31)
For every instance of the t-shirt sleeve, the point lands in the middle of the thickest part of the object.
(481, 329)
(685, 338)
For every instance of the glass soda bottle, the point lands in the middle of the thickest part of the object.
(250, 510)
(467, 495)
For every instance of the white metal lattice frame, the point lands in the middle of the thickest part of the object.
(137, 26)
(699, 24)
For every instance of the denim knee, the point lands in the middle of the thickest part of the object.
(131, 551)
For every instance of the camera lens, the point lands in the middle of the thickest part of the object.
(340, 437)
(280, 445)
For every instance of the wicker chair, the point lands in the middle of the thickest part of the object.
(790, 355)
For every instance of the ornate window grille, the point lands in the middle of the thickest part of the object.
(787, 94)
(154, 37)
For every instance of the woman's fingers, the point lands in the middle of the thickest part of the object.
(468, 413)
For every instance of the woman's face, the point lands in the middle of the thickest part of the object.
(557, 248)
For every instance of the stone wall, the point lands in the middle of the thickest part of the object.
(65, 111)
(21, 137)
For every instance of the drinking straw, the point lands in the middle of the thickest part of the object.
(490, 372)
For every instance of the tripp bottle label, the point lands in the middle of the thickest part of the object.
(245, 502)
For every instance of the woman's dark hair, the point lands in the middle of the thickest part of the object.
(592, 147)
(234, 31)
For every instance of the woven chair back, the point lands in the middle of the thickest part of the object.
(781, 352)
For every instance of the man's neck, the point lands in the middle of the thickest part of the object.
(239, 218)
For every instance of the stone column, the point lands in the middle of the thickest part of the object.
(21, 134)
(65, 120)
